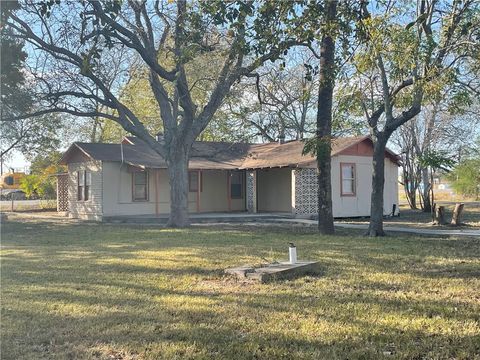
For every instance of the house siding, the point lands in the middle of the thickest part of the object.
(117, 193)
(214, 193)
(305, 188)
(118, 196)
(92, 208)
(274, 189)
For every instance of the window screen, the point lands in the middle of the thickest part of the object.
(348, 179)
(236, 185)
(140, 185)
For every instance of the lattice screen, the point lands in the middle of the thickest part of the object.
(62, 192)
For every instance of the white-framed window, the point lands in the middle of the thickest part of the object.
(140, 186)
(347, 179)
(84, 181)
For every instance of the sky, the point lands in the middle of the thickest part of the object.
(16, 161)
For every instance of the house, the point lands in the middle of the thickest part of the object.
(111, 180)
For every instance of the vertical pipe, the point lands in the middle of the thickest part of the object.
(156, 192)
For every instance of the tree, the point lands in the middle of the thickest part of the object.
(27, 136)
(465, 176)
(433, 161)
(281, 101)
(42, 180)
(324, 120)
(30, 136)
(407, 62)
(15, 97)
(334, 22)
(78, 39)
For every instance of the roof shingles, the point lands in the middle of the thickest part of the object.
(212, 155)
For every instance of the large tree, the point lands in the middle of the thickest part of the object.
(407, 51)
(74, 41)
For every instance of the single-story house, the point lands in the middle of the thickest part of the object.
(129, 178)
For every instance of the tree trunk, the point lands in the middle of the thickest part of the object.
(410, 193)
(427, 204)
(457, 213)
(324, 125)
(178, 178)
(439, 215)
(375, 227)
(432, 197)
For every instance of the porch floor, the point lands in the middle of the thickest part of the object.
(201, 217)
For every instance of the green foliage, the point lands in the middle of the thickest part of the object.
(436, 159)
(29, 185)
(46, 162)
(32, 136)
(15, 97)
(465, 178)
(318, 147)
(42, 186)
(42, 180)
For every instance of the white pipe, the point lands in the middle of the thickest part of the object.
(292, 252)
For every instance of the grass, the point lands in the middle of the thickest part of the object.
(418, 219)
(96, 291)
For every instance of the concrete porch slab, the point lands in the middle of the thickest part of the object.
(278, 271)
(199, 218)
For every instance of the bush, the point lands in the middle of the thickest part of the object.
(465, 178)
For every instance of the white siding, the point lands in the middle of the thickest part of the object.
(359, 205)
(92, 208)
(117, 193)
(118, 197)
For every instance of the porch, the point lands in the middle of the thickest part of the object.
(216, 217)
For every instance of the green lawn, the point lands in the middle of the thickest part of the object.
(99, 291)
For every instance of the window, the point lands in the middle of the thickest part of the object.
(140, 186)
(193, 181)
(9, 180)
(84, 180)
(236, 185)
(347, 179)
(88, 182)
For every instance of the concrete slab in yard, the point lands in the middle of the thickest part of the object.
(283, 270)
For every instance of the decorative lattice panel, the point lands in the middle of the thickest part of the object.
(62, 192)
(306, 189)
(252, 191)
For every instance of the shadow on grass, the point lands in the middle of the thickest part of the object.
(97, 290)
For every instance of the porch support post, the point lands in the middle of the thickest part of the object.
(156, 192)
(251, 191)
(294, 191)
(58, 193)
(229, 195)
(199, 187)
